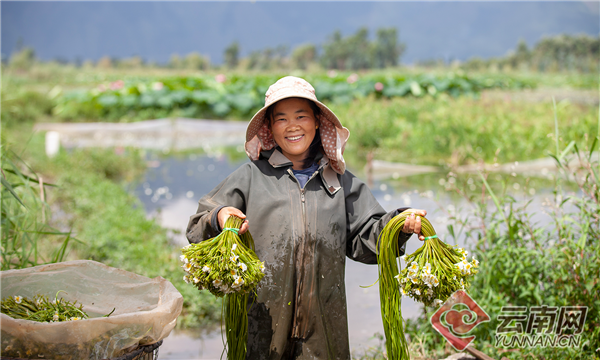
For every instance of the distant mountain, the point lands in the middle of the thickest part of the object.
(155, 30)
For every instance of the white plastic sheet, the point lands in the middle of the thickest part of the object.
(146, 311)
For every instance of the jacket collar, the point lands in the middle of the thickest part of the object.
(328, 175)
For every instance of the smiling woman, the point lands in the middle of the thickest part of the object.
(294, 125)
(306, 214)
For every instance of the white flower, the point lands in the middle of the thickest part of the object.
(427, 268)
(187, 267)
(238, 282)
(462, 284)
(435, 281)
(55, 317)
(414, 266)
(242, 266)
(403, 292)
(417, 292)
(196, 280)
(262, 267)
(397, 277)
(437, 302)
(414, 280)
(206, 268)
(468, 268)
(18, 299)
(217, 283)
(187, 246)
(234, 247)
(233, 272)
(234, 258)
(75, 318)
(183, 259)
(186, 278)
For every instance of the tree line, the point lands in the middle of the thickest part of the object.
(359, 52)
(559, 53)
(353, 52)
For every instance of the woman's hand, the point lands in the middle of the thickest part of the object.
(412, 224)
(226, 212)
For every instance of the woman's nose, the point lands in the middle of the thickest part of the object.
(293, 126)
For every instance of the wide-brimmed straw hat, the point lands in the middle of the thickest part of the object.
(333, 135)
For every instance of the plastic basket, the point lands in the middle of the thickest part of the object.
(146, 352)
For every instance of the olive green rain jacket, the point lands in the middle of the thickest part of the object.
(303, 236)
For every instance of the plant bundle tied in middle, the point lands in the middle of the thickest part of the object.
(436, 270)
(226, 265)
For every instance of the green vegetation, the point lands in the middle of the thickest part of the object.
(238, 96)
(528, 263)
(449, 131)
(460, 122)
(111, 223)
(27, 237)
(564, 52)
(357, 52)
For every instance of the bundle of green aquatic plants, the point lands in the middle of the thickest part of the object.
(226, 265)
(40, 308)
(436, 270)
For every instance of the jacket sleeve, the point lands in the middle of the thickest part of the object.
(365, 219)
(230, 192)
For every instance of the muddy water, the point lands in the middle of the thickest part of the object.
(170, 192)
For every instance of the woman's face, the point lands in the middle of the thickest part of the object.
(293, 126)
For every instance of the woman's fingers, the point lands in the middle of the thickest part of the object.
(409, 224)
(412, 224)
(417, 228)
(226, 212)
(244, 227)
(420, 212)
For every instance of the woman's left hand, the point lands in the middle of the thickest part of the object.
(412, 224)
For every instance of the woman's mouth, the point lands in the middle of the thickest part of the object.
(294, 138)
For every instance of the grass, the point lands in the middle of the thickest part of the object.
(528, 263)
(111, 223)
(449, 131)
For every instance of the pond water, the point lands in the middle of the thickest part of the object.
(173, 184)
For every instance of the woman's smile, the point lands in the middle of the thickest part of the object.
(294, 138)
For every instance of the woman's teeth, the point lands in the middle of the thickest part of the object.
(294, 138)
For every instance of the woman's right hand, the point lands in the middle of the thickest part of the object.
(226, 212)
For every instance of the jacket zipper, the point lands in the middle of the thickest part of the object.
(296, 330)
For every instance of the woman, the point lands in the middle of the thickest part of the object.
(306, 214)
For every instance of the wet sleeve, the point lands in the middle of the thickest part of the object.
(365, 219)
(232, 191)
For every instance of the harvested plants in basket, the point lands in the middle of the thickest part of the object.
(41, 309)
(434, 272)
(226, 265)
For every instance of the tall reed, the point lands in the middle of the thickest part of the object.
(27, 238)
